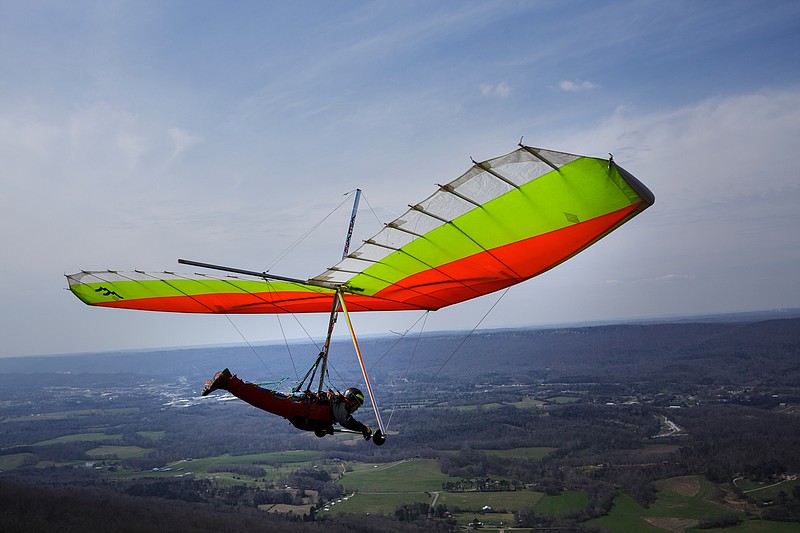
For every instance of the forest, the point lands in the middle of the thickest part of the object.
(84, 448)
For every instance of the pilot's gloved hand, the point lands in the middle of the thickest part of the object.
(367, 433)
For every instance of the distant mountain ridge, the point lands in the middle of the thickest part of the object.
(681, 350)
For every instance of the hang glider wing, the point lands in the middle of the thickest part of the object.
(504, 221)
(197, 293)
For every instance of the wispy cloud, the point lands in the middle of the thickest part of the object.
(181, 140)
(576, 86)
(674, 277)
(500, 90)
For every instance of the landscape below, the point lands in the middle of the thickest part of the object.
(672, 426)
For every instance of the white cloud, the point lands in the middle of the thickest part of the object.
(675, 277)
(501, 90)
(182, 140)
(576, 86)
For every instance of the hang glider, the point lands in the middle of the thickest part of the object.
(502, 222)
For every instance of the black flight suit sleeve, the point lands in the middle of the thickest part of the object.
(345, 419)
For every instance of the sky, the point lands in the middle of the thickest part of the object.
(136, 133)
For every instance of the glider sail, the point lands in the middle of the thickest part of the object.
(504, 221)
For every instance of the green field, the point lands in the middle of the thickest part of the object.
(381, 488)
(767, 490)
(681, 502)
(563, 399)
(483, 406)
(625, 515)
(563, 504)
(14, 460)
(414, 475)
(473, 502)
(152, 435)
(529, 403)
(79, 437)
(275, 464)
(685, 497)
(65, 415)
(298, 458)
(375, 503)
(121, 452)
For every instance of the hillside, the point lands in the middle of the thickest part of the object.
(725, 352)
(554, 425)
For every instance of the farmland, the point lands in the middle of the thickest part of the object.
(568, 444)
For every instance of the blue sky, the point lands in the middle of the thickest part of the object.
(135, 133)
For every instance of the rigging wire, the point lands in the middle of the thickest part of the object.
(416, 345)
(283, 333)
(248, 344)
(310, 376)
(294, 315)
(402, 336)
(288, 349)
(279, 258)
(286, 342)
(410, 360)
(338, 375)
(470, 333)
(226, 316)
(372, 209)
(296, 243)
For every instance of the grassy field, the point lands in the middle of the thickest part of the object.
(563, 399)
(152, 435)
(484, 406)
(682, 502)
(275, 464)
(768, 490)
(472, 502)
(626, 515)
(685, 497)
(415, 475)
(79, 437)
(121, 452)
(14, 460)
(65, 415)
(375, 503)
(529, 403)
(381, 488)
(563, 504)
(298, 458)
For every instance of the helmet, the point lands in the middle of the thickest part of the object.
(354, 394)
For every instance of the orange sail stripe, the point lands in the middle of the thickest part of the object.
(478, 274)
